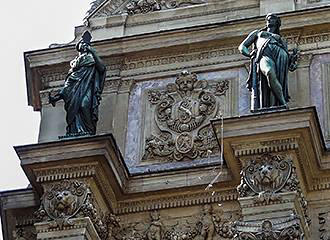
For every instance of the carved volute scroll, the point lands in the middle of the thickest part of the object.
(181, 113)
(67, 199)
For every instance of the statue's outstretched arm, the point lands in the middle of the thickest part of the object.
(247, 42)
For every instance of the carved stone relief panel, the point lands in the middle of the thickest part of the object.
(280, 230)
(68, 199)
(178, 116)
(116, 7)
(145, 6)
(169, 125)
(207, 224)
(266, 175)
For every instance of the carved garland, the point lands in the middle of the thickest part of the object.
(181, 114)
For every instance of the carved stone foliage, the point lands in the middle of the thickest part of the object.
(268, 231)
(266, 176)
(182, 112)
(67, 199)
(207, 225)
(145, 6)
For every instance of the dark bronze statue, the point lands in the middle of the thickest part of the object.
(82, 90)
(270, 62)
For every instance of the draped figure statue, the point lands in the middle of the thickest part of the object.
(269, 66)
(82, 90)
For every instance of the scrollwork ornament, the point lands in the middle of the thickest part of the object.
(181, 114)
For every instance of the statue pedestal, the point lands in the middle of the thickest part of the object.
(81, 229)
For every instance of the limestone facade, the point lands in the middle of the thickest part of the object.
(174, 100)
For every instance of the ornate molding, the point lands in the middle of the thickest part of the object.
(267, 175)
(278, 145)
(176, 201)
(181, 113)
(146, 6)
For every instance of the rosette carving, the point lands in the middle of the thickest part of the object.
(181, 113)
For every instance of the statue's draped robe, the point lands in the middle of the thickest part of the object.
(277, 51)
(82, 94)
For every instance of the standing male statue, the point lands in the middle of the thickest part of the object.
(270, 62)
(82, 89)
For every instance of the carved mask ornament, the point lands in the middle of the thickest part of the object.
(265, 176)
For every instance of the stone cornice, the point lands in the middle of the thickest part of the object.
(295, 132)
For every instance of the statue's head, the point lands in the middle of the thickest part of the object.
(82, 46)
(273, 21)
(84, 42)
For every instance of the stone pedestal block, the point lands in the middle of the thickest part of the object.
(81, 229)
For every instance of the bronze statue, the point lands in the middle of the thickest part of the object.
(270, 62)
(82, 90)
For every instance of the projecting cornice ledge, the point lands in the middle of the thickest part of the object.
(293, 133)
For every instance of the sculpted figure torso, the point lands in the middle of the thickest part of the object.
(270, 62)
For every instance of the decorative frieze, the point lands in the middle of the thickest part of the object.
(280, 230)
(208, 224)
(145, 6)
(255, 148)
(181, 113)
(185, 200)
